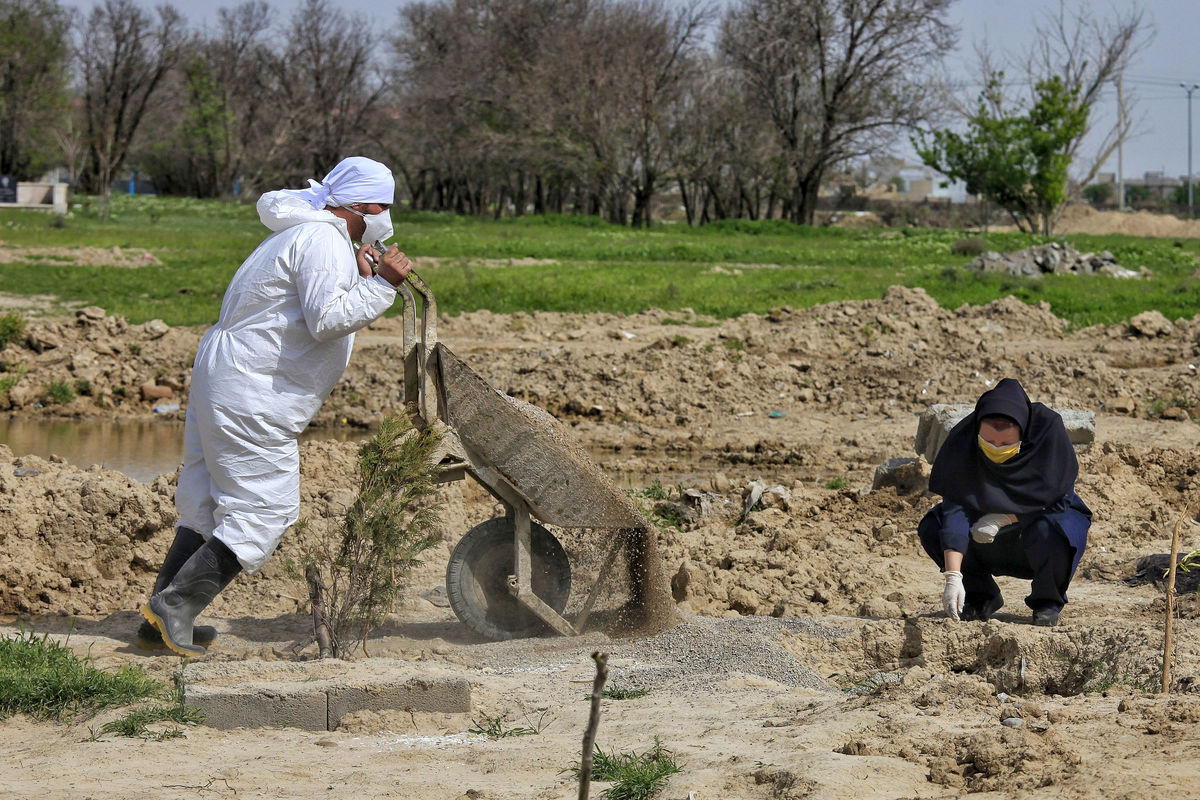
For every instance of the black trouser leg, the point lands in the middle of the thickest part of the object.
(978, 582)
(1050, 556)
(187, 541)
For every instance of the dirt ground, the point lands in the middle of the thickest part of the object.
(810, 659)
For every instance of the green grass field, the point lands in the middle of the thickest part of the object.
(584, 264)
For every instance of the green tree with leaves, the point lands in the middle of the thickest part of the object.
(1017, 160)
(34, 53)
(1099, 194)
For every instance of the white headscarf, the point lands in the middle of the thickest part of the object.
(353, 180)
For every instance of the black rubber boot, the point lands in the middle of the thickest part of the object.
(187, 542)
(173, 610)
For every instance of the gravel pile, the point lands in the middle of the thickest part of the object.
(703, 651)
(697, 653)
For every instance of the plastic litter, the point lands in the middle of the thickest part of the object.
(166, 408)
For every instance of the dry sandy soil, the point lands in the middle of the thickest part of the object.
(810, 658)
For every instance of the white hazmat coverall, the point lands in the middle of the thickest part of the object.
(283, 339)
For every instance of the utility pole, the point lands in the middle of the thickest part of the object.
(1121, 127)
(1189, 90)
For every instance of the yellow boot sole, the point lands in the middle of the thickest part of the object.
(157, 622)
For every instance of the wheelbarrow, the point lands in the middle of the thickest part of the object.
(510, 577)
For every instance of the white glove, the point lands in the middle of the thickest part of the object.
(986, 527)
(954, 595)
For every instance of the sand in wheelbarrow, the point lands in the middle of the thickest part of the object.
(635, 597)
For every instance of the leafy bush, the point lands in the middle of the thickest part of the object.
(58, 393)
(355, 575)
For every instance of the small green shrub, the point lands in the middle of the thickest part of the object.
(617, 693)
(635, 776)
(83, 387)
(11, 380)
(363, 567)
(839, 482)
(655, 491)
(58, 393)
(12, 328)
(493, 727)
(969, 247)
(136, 724)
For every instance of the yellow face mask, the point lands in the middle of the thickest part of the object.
(998, 454)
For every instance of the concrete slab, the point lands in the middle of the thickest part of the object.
(315, 695)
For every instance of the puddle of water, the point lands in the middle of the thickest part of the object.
(141, 450)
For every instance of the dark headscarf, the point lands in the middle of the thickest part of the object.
(1038, 476)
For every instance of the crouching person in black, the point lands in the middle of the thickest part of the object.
(1006, 474)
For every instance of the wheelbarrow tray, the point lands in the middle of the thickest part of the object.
(531, 450)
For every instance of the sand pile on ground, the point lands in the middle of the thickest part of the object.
(1085, 219)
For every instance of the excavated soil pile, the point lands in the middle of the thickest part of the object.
(812, 660)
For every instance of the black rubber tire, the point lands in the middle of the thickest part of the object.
(477, 579)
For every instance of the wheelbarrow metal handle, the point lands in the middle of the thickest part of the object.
(422, 388)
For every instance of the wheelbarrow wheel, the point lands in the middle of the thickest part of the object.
(477, 579)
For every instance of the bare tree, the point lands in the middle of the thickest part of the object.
(34, 51)
(223, 115)
(1089, 53)
(124, 56)
(838, 78)
(722, 150)
(329, 84)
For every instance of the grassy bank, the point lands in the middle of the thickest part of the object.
(583, 265)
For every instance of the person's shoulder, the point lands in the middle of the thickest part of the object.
(320, 232)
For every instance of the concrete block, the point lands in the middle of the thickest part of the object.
(315, 695)
(228, 707)
(449, 696)
(938, 420)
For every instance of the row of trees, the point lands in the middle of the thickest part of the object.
(510, 106)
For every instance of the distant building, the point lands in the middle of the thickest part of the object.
(893, 179)
(1159, 186)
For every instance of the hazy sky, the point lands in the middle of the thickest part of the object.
(1171, 58)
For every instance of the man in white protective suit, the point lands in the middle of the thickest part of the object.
(282, 341)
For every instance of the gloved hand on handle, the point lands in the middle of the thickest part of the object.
(954, 596)
(986, 527)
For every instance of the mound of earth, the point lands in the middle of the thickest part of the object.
(813, 659)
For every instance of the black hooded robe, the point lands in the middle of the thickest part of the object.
(1037, 482)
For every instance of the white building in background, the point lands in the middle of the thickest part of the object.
(925, 183)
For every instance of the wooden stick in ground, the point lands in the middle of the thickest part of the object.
(316, 597)
(589, 735)
(1169, 632)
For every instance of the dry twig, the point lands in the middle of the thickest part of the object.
(1188, 510)
(589, 735)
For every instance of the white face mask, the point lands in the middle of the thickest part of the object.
(379, 226)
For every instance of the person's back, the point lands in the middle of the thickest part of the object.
(285, 332)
